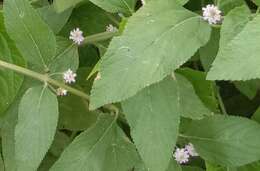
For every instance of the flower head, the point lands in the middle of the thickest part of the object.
(77, 36)
(181, 155)
(191, 150)
(143, 2)
(110, 28)
(69, 76)
(212, 14)
(61, 92)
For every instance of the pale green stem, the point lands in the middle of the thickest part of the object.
(99, 37)
(46, 79)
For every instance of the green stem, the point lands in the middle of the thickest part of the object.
(46, 79)
(99, 37)
(41, 77)
(221, 103)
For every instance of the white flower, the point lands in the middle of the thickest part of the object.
(191, 150)
(77, 36)
(69, 76)
(212, 14)
(98, 77)
(61, 92)
(110, 28)
(181, 155)
(143, 2)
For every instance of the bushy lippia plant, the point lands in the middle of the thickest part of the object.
(173, 85)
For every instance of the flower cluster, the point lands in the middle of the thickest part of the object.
(110, 28)
(182, 155)
(212, 14)
(76, 36)
(61, 92)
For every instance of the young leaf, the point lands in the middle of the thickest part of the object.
(147, 53)
(36, 127)
(234, 61)
(102, 147)
(225, 140)
(33, 37)
(155, 125)
(115, 6)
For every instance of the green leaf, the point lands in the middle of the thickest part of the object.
(55, 20)
(8, 128)
(257, 2)
(134, 61)
(33, 37)
(36, 127)
(173, 166)
(67, 57)
(227, 5)
(62, 5)
(214, 167)
(248, 88)
(155, 125)
(10, 82)
(74, 114)
(7, 136)
(250, 167)
(234, 61)
(102, 147)
(209, 52)
(80, 16)
(190, 104)
(256, 115)
(158, 120)
(60, 142)
(204, 89)
(225, 140)
(191, 168)
(115, 6)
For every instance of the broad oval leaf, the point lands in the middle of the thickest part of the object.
(226, 140)
(148, 50)
(238, 59)
(102, 147)
(36, 127)
(154, 117)
(34, 39)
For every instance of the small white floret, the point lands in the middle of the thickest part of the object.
(143, 2)
(69, 76)
(181, 155)
(191, 150)
(110, 28)
(212, 14)
(61, 92)
(77, 36)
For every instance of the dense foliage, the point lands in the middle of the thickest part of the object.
(129, 85)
